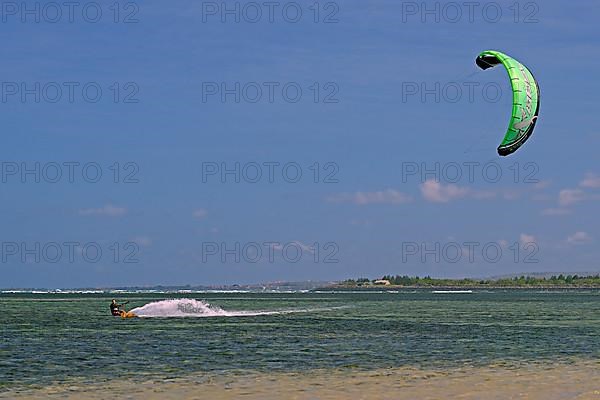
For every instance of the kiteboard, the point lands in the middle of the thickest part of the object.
(127, 314)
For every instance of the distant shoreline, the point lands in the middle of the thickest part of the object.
(458, 287)
(389, 282)
(339, 288)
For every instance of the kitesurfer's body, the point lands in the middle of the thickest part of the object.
(115, 308)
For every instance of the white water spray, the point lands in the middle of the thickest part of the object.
(198, 309)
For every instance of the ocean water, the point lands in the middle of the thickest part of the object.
(56, 338)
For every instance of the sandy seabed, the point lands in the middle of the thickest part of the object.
(545, 381)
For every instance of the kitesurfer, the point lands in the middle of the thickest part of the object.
(115, 308)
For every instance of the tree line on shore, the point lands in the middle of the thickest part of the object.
(517, 281)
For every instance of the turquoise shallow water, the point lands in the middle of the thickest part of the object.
(52, 338)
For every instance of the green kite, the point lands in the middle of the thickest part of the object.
(526, 99)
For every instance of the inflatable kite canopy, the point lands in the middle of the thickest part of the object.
(526, 99)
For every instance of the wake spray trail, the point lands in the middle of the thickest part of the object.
(201, 309)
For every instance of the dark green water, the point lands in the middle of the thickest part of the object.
(50, 338)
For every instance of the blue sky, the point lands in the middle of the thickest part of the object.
(156, 119)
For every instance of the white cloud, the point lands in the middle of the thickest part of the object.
(511, 195)
(293, 243)
(590, 181)
(388, 196)
(199, 213)
(143, 241)
(437, 193)
(579, 238)
(567, 197)
(304, 247)
(541, 185)
(108, 210)
(556, 211)
(484, 195)
(525, 238)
